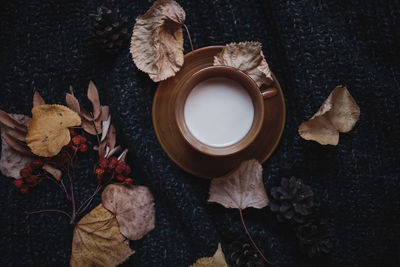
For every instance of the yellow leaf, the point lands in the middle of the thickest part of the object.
(98, 241)
(48, 129)
(339, 113)
(249, 58)
(157, 41)
(218, 260)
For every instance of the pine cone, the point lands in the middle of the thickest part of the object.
(242, 253)
(292, 200)
(110, 32)
(314, 238)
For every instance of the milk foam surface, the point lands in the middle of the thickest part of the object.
(219, 112)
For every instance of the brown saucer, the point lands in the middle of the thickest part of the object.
(184, 155)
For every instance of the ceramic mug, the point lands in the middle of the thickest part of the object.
(257, 98)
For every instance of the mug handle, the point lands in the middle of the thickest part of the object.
(269, 92)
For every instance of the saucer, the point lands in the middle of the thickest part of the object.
(182, 153)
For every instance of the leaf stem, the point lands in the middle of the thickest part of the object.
(72, 197)
(188, 33)
(95, 129)
(87, 202)
(251, 239)
(49, 210)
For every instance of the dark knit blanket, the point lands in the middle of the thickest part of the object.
(312, 46)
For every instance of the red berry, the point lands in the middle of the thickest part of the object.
(99, 171)
(72, 132)
(128, 170)
(128, 180)
(120, 168)
(18, 183)
(120, 177)
(37, 163)
(83, 139)
(24, 190)
(103, 163)
(26, 172)
(113, 163)
(76, 140)
(83, 148)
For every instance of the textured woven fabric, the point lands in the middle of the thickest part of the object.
(312, 46)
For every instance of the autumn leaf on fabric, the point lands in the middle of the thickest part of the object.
(133, 207)
(218, 260)
(339, 113)
(48, 130)
(247, 57)
(157, 41)
(98, 242)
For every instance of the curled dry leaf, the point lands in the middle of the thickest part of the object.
(12, 161)
(56, 173)
(157, 41)
(72, 102)
(339, 113)
(133, 207)
(11, 123)
(93, 96)
(48, 130)
(249, 58)
(37, 99)
(241, 188)
(98, 242)
(218, 260)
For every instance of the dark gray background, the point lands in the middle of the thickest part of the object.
(312, 46)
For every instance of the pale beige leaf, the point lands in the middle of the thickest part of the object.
(12, 161)
(157, 41)
(218, 260)
(56, 173)
(339, 113)
(98, 242)
(249, 58)
(72, 103)
(241, 188)
(123, 155)
(37, 99)
(133, 207)
(105, 126)
(93, 96)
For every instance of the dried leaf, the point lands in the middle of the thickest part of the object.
(133, 207)
(111, 152)
(105, 112)
(72, 103)
(123, 155)
(339, 113)
(48, 129)
(218, 260)
(98, 242)
(90, 128)
(17, 145)
(37, 99)
(241, 188)
(249, 58)
(18, 135)
(93, 96)
(12, 161)
(105, 126)
(8, 121)
(157, 41)
(56, 173)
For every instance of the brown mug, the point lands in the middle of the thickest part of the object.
(257, 96)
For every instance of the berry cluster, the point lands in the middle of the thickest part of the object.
(29, 176)
(78, 142)
(109, 169)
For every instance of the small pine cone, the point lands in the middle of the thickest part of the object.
(314, 238)
(292, 200)
(110, 32)
(241, 253)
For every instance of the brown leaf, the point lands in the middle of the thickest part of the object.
(218, 260)
(72, 103)
(241, 188)
(48, 130)
(17, 145)
(98, 242)
(339, 113)
(157, 41)
(93, 96)
(56, 173)
(89, 127)
(12, 161)
(8, 121)
(133, 207)
(249, 58)
(37, 99)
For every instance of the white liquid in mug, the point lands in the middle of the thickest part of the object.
(219, 112)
